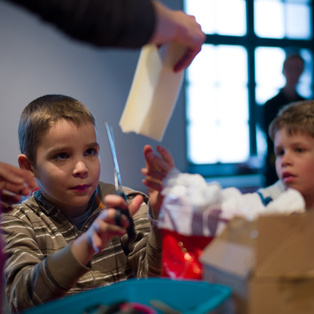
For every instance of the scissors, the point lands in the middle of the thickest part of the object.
(118, 185)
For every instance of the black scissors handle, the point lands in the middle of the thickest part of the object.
(130, 229)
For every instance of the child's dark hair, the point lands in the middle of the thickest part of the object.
(38, 117)
(295, 117)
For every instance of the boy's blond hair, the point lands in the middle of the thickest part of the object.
(42, 113)
(295, 117)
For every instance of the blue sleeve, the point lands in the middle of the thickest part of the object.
(265, 200)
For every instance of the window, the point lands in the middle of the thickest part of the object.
(238, 69)
(218, 93)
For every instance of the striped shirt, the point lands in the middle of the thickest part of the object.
(40, 266)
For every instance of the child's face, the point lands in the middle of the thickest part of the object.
(67, 165)
(295, 161)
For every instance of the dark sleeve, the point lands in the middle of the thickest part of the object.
(111, 23)
(268, 115)
(271, 108)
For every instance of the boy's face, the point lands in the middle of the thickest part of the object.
(67, 165)
(295, 161)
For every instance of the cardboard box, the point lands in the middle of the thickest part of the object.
(268, 263)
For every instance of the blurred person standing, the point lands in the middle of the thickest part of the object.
(293, 68)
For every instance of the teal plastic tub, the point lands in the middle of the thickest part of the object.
(184, 296)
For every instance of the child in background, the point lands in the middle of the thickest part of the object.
(292, 132)
(63, 239)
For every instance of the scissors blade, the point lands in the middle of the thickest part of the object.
(117, 175)
(117, 180)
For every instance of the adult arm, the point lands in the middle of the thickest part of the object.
(122, 23)
(118, 23)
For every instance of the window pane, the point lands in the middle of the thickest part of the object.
(204, 12)
(268, 17)
(203, 68)
(278, 19)
(297, 21)
(230, 17)
(217, 106)
(223, 17)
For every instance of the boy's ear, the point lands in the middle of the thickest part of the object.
(24, 163)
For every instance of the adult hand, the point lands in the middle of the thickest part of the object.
(14, 183)
(178, 27)
(157, 168)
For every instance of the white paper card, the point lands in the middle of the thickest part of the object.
(154, 91)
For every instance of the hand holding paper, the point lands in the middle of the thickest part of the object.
(154, 91)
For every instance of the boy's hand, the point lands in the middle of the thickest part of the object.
(14, 182)
(104, 227)
(155, 171)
